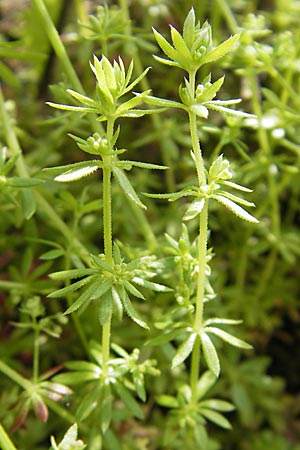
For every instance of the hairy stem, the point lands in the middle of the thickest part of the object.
(202, 247)
(107, 237)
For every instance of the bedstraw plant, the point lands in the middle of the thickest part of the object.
(121, 312)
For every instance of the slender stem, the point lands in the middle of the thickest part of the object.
(107, 236)
(5, 442)
(36, 354)
(195, 368)
(57, 44)
(15, 376)
(202, 248)
(228, 15)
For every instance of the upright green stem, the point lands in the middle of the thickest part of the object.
(107, 236)
(36, 354)
(202, 248)
(57, 44)
(5, 442)
(14, 376)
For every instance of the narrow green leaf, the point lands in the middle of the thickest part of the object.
(210, 354)
(73, 175)
(165, 46)
(52, 254)
(83, 98)
(199, 110)
(155, 101)
(101, 263)
(105, 309)
(228, 337)
(83, 365)
(210, 91)
(132, 313)
(88, 404)
(72, 274)
(236, 199)
(137, 80)
(167, 401)
(214, 105)
(218, 405)
(92, 292)
(150, 285)
(168, 62)
(216, 418)
(218, 320)
(106, 407)
(129, 400)
(189, 28)
(76, 377)
(236, 209)
(127, 187)
(29, 205)
(126, 165)
(180, 45)
(221, 50)
(130, 288)
(236, 186)
(71, 288)
(184, 350)
(194, 209)
(207, 380)
(72, 167)
(23, 182)
(82, 109)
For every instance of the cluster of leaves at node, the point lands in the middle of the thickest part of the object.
(110, 286)
(186, 414)
(99, 145)
(112, 83)
(218, 175)
(99, 392)
(184, 266)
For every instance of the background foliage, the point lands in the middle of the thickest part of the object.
(46, 227)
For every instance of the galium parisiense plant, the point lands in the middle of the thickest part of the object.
(109, 376)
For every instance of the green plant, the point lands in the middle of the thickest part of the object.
(117, 306)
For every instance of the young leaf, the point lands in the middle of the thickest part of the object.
(71, 288)
(184, 350)
(150, 285)
(218, 405)
(106, 407)
(105, 309)
(92, 292)
(130, 288)
(216, 418)
(73, 175)
(127, 187)
(228, 337)
(129, 401)
(236, 209)
(180, 45)
(131, 310)
(165, 46)
(194, 209)
(210, 354)
(207, 380)
(221, 49)
(72, 274)
(189, 28)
